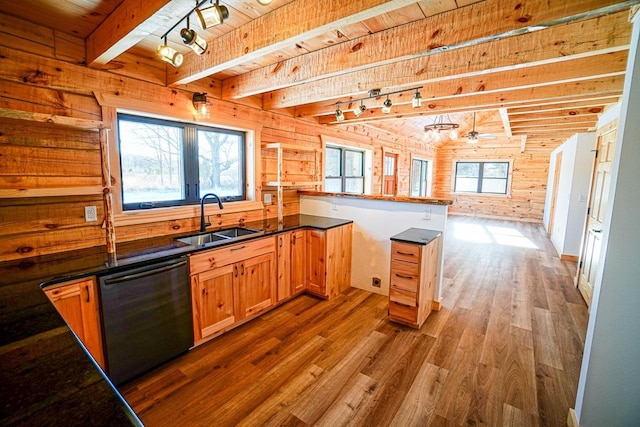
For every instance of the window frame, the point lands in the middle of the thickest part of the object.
(342, 177)
(481, 163)
(190, 163)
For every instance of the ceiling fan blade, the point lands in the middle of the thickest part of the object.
(486, 136)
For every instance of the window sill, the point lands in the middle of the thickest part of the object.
(462, 193)
(144, 216)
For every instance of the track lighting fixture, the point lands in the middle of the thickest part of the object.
(169, 54)
(386, 106)
(416, 102)
(207, 17)
(376, 93)
(200, 103)
(193, 40)
(359, 109)
(211, 16)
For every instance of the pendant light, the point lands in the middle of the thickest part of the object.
(200, 103)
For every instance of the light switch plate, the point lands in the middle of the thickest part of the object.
(267, 199)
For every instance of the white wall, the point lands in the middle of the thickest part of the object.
(609, 387)
(573, 190)
(375, 221)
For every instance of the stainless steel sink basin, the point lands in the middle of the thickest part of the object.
(235, 232)
(216, 236)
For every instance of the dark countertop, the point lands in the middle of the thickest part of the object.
(416, 236)
(46, 375)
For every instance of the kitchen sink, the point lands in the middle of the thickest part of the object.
(217, 236)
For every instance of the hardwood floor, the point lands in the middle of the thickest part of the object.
(505, 350)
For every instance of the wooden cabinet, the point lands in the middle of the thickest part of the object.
(414, 270)
(77, 303)
(291, 263)
(231, 284)
(329, 260)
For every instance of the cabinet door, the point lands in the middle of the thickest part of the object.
(316, 263)
(256, 284)
(283, 243)
(77, 303)
(213, 298)
(298, 267)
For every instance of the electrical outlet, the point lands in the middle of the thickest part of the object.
(376, 282)
(90, 213)
(334, 206)
(267, 198)
(427, 214)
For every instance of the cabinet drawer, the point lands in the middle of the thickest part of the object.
(402, 297)
(405, 252)
(403, 312)
(229, 254)
(405, 275)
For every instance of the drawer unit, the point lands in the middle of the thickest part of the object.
(412, 281)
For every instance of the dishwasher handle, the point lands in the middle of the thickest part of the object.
(143, 273)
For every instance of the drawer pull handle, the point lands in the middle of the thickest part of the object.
(402, 276)
(238, 248)
(404, 253)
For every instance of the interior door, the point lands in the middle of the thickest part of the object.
(599, 197)
(389, 183)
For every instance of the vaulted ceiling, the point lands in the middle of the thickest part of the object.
(531, 69)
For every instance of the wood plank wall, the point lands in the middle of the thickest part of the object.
(44, 72)
(528, 180)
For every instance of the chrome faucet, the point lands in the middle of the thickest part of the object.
(204, 225)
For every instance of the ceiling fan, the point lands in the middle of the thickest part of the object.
(473, 136)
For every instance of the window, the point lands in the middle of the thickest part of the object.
(482, 177)
(165, 163)
(420, 176)
(344, 170)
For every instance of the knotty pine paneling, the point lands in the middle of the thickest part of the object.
(528, 179)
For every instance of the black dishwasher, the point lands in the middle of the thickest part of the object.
(146, 317)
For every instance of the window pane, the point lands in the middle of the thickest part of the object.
(495, 170)
(467, 184)
(353, 163)
(151, 162)
(219, 163)
(415, 178)
(466, 169)
(354, 185)
(389, 165)
(492, 185)
(333, 185)
(333, 161)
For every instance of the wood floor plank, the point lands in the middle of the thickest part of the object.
(420, 402)
(505, 349)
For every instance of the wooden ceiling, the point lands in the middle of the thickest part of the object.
(532, 69)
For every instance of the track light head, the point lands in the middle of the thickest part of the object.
(416, 102)
(211, 16)
(193, 40)
(169, 54)
(386, 106)
(339, 115)
(359, 109)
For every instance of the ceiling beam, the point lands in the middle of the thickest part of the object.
(281, 28)
(504, 116)
(559, 43)
(554, 114)
(131, 22)
(541, 75)
(419, 38)
(523, 143)
(593, 105)
(610, 86)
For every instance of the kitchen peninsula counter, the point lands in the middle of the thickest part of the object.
(47, 377)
